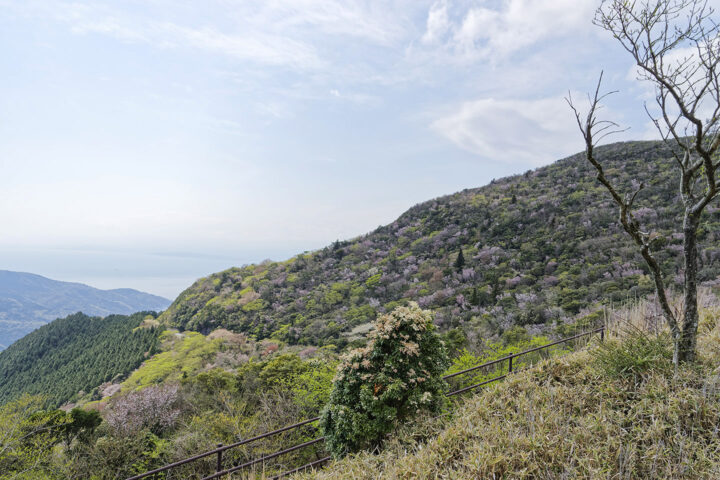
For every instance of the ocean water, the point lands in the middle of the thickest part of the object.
(160, 273)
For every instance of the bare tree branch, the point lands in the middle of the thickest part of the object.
(676, 47)
(588, 128)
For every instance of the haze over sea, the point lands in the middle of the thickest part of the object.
(223, 133)
(164, 274)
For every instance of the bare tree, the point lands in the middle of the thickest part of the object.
(676, 47)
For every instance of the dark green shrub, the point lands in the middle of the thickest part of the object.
(634, 356)
(398, 374)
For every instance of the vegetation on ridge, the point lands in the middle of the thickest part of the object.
(537, 249)
(199, 391)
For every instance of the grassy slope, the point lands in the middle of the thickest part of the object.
(181, 354)
(566, 419)
(539, 248)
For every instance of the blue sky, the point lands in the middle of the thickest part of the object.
(147, 143)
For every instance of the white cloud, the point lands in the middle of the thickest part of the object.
(492, 33)
(269, 32)
(263, 47)
(438, 23)
(513, 131)
(259, 47)
(380, 22)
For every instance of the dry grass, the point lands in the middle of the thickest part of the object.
(564, 419)
(646, 315)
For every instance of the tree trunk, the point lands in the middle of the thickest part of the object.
(685, 345)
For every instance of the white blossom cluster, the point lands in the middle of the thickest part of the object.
(389, 327)
(153, 407)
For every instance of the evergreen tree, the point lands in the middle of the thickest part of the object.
(338, 251)
(460, 261)
(474, 299)
(75, 353)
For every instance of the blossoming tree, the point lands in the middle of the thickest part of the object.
(397, 374)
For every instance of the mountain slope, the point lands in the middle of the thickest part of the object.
(75, 353)
(588, 415)
(28, 301)
(537, 249)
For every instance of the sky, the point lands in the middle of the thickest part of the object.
(147, 143)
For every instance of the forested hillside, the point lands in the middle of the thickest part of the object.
(28, 301)
(535, 249)
(76, 354)
(506, 267)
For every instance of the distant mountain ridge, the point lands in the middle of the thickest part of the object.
(28, 301)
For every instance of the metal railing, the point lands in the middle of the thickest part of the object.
(220, 449)
(220, 472)
(509, 360)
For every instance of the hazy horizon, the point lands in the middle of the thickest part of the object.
(108, 270)
(144, 145)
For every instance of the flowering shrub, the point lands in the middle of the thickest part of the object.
(397, 374)
(154, 407)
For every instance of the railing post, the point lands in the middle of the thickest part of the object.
(219, 458)
(510, 364)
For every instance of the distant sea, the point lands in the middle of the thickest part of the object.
(164, 274)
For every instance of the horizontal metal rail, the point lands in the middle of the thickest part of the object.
(304, 467)
(223, 448)
(513, 355)
(220, 449)
(263, 458)
(471, 387)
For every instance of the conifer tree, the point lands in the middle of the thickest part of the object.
(459, 261)
(474, 299)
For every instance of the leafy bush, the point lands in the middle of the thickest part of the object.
(561, 420)
(27, 437)
(635, 356)
(397, 374)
